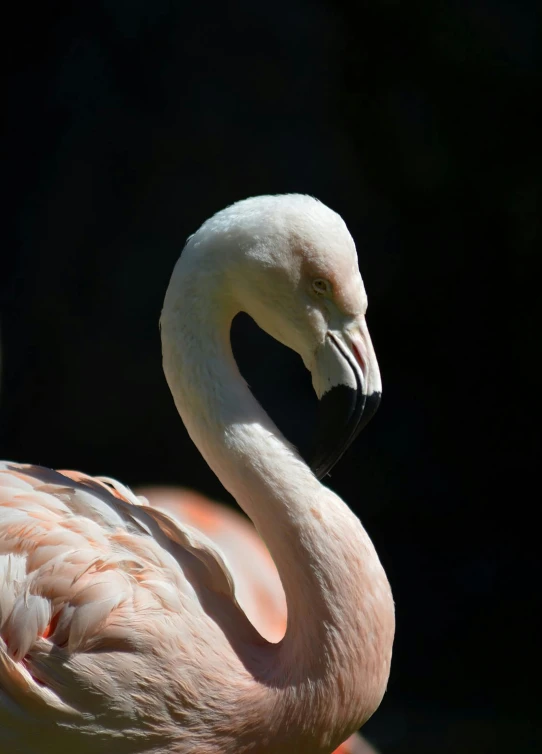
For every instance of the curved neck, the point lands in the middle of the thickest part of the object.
(332, 666)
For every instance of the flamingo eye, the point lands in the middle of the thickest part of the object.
(321, 287)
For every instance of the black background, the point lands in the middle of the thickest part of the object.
(130, 123)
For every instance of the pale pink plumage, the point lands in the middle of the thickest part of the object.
(257, 583)
(120, 631)
(86, 572)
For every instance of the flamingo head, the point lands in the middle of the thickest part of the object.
(292, 265)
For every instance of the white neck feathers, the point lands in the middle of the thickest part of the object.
(331, 668)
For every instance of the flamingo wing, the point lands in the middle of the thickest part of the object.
(87, 569)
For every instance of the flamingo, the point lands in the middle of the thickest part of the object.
(120, 630)
(257, 583)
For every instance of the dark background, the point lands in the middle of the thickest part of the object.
(130, 123)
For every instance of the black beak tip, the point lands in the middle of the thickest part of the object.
(330, 446)
(372, 402)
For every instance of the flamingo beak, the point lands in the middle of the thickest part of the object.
(346, 379)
